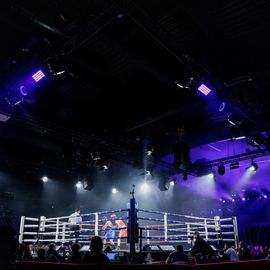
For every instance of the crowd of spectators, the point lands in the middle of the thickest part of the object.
(11, 250)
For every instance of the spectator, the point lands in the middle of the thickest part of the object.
(76, 256)
(9, 247)
(243, 252)
(96, 254)
(177, 256)
(230, 252)
(41, 255)
(52, 254)
(27, 253)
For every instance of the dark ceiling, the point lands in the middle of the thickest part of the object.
(122, 60)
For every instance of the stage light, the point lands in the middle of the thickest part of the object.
(234, 165)
(79, 184)
(105, 167)
(172, 183)
(23, 90)
(145, 187)
(265, 196)
(243, 199)
(204, 89)
(221, 169)
(44, 179)
(114, 190)
(222, 106)
(223, 201)
(233, 200)
(253, 167)
(38, 76)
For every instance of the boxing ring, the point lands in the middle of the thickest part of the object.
(149, 227)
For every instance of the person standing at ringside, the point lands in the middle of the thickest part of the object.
(75, 223)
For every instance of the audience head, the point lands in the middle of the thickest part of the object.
(78, 210)
(41, 253)
(52, 246)
(180, 248)
(96, 244)
(242, 244)
(75, 248)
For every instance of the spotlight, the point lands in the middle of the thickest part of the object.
(38, 76)
(23, 90)
(222, 106)
(234, 165)
(221, 169)
(44, 179)
(253, 167)
(223, 201)
(145, 187)
(265, 196)
(114, 190)
(172, 183)
(79, 184)
(105, 167)
(243, 199)
(233, 200)
(204, 89)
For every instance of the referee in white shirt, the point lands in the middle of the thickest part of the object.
(75, 221)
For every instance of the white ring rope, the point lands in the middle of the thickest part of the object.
(178, 229)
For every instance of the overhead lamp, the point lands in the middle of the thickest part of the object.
(221, 169)
(204, 89)
(38, 75)
(253, 167)
(44, 179)
(79, 184)
(234, 165)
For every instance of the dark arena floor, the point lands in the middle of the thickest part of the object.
(134, 134)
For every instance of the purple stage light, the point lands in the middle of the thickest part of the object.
(23, 90)
(223, 201)
(243, 199)
(233, 200)
(38, 76)
(204, 89)
(265, 196)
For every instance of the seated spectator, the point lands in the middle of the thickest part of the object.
(96, 254)
(177, 256)
(200, 246)
(9, 247)
(230, 253)
(27, 253)
(243, 252)
(41, 255)
(76, 256)
(52, 254)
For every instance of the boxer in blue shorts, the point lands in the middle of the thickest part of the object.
(109, 233)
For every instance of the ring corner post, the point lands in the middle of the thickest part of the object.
(21, 229)
(132, 227)
(235, 229)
